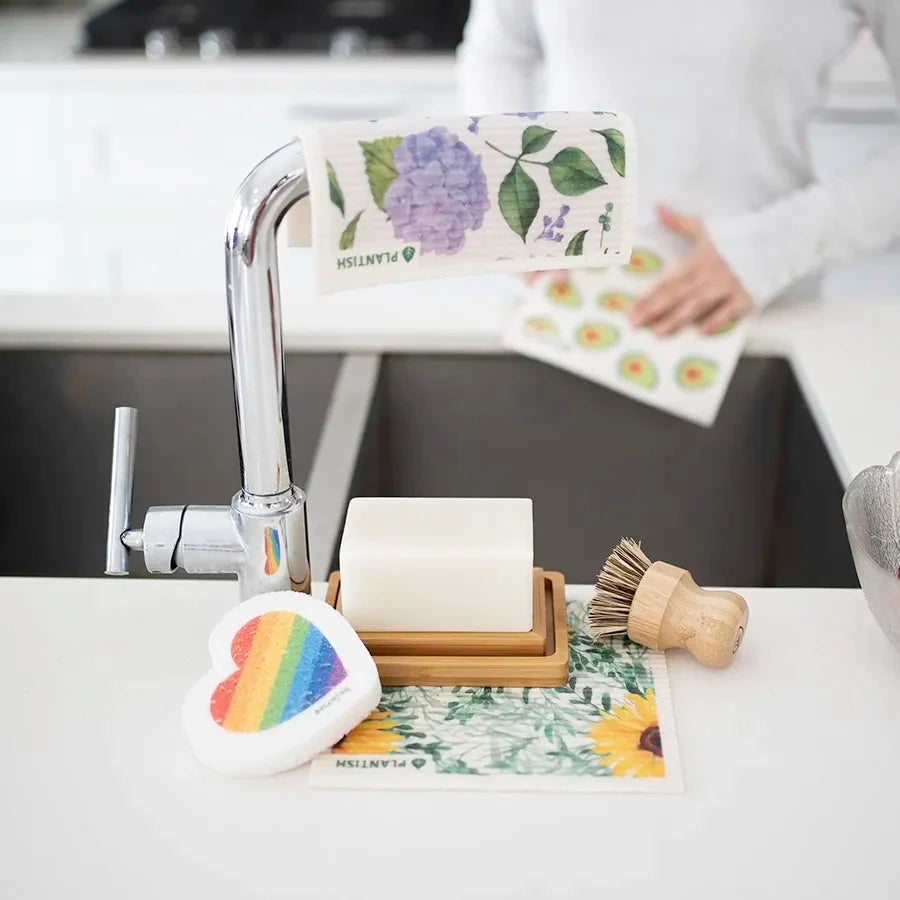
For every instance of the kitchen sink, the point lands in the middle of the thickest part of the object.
(754, 500)
(57, 413)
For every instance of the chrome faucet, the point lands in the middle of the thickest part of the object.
(262, 535)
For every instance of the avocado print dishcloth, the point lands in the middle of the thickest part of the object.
(405, 199)
(578, 321)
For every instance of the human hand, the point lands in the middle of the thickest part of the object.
(702, 290)
(554, 274)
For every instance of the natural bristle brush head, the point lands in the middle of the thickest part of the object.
(616, 586)
(659, 605)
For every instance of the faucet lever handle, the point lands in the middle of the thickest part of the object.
(120, 491)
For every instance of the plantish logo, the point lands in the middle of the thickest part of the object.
(368, 763)
(384, 257)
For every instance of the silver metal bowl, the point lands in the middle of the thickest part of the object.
(872, 513)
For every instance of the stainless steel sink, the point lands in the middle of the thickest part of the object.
(752, 501)
(54, 451)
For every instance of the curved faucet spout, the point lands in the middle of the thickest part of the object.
(262, 536)
(254, 322)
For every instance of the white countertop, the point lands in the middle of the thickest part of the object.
(843, 347)
(790, 764)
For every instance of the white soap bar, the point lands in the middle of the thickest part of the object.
(437, 564)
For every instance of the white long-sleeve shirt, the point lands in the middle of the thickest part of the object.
(721, 92)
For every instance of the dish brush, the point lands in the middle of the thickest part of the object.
(660, 606)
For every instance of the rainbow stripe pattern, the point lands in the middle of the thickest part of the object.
(273, 551)
(285, 664)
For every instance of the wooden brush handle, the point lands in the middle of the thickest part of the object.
(669, 610)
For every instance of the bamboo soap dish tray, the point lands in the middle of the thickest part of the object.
(471, 659)
(457, 643)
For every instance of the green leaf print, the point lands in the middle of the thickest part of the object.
(456, 767)
(576, 245)
(348, 235)
(473, 702)
(380, 168)
(615, 144)
(522, 731)
(334, 188)
(519, 200)
(535, 138)
(573, 172)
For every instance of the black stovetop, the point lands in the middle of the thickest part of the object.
(299, 25)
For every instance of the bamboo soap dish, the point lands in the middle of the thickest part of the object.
(457, 643)
(471, 659)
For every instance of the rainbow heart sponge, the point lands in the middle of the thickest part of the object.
(289, 679)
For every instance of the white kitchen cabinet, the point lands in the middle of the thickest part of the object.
(35, 255)
(32, 152)
(127, 169)
(154, 254)
(142, 151)
(136, 258)
(161, 151)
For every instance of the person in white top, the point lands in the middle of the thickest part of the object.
(720, 92)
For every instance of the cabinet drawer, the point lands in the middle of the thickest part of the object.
(31, 159)
(151, 255)
(161, 151)
(169, 152)
(34, 257)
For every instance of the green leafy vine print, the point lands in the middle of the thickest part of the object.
(572, 172)
(348, 235)
(615, 145)
(604, 222)
(601, 723)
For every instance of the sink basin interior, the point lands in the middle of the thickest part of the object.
(57, 409)
(753, 501)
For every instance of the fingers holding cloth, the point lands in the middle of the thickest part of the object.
(700, 290)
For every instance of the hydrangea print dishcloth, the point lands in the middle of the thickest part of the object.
(404, 199)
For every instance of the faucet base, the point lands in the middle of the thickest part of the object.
(275, 539)
(262, 540)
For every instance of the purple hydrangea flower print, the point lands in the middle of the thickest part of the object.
(473, 125)
(440, 191)
(553, 227)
